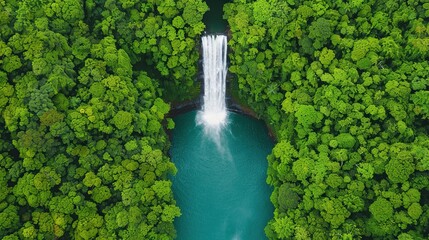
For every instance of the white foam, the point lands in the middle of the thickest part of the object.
(213, 115)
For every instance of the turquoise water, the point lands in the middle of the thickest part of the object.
(221, 188)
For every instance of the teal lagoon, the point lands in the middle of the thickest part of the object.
(220, 185)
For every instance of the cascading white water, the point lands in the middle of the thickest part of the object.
(214, 114)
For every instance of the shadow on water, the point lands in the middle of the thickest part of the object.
(214, 17)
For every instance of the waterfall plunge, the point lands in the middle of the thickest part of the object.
(214, 114)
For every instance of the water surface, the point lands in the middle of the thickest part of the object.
(214, 17)
(220, 187)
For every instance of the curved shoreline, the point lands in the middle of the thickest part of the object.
(232, 106)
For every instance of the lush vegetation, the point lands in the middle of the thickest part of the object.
(83, 84)
(345, 85)
(83, 151)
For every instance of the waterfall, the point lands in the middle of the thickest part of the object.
(214, 114)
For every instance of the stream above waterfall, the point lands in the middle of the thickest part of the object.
(214, 18)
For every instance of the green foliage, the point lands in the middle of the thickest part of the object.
(261, 11)
(81, 48)
(283, 227)
(345, 140)
(81, 125)
(381, 210)
(344, 86)
(122, 119)
(398, 171)
(415, 211)
(420, 99)
(83, 152)
(326, 57)
(287, 198)
(307, 115)
(320, 31)
(159, 35)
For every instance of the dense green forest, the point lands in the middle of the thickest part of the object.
(345, 85)
(85, 87)
(83, 153)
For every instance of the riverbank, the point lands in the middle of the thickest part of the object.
(233, 105)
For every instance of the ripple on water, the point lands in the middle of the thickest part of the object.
(222, 195)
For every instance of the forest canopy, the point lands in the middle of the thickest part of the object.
(345, 85)
(83, 150)
(84, 96)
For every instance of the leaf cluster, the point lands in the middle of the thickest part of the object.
(344, 84)
(83, 150)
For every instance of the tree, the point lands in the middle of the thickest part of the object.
(6, 90)
(11, 63)
(29, 231)
(399, 168)
(9, 220)
(381, 209)
(91, 180)
(88, 222)
(326, 57)
(178, 22)
(366, 170)
(334, 212)
(122, 119)
(345, 140)
(287, 198)
(360, 49)
(302, 168)
(58, 103)
(101, 194)
(169, 213)
(192, 12)
(307, 115)
(420, 99)
(415, 210)
(283, 227)
(320, 31)
(81, 48)
(261, 11)
(46, 179)
(160, 108)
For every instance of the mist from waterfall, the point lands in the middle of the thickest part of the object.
(213, 115)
